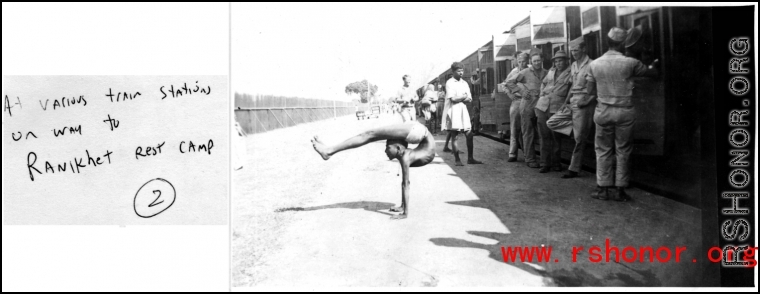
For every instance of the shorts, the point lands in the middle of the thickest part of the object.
(417, 133)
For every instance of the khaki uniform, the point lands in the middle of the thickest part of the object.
(409, 96)
(614, 115)
(579, 119)
(515, 133)
(532, 80)
(553, 92)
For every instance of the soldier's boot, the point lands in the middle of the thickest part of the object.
(600, 193)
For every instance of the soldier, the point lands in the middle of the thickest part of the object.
(515, 135)
(609, 81)
(531, 78)
(406, 99)
(554, 90)
(473, 107)
(579, 119)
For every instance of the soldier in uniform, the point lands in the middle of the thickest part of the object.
(475, 83)
(554, 90)
(515, 135)
(609, 81)
(531, 78)
(406, 99)
(579, 119)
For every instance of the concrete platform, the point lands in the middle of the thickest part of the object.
(301, 221)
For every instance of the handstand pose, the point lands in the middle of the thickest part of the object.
(398, 137)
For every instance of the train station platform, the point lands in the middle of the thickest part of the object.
(304, 222)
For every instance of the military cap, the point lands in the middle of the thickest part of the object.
(560, 54)
(535, 51)
(634, 34)
(617, 34)
(575, 44)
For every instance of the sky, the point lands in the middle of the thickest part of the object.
(313, 50)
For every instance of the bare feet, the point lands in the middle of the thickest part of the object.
(473, 161)
(448, 150)
(458, 163)
(398, 217)
(397, 209)
(320, 148)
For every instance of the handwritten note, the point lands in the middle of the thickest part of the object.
(115, 150)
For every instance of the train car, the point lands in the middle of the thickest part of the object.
(505, 47)
(666, 133)
(667, 127)
(486, 68)
(486, 102)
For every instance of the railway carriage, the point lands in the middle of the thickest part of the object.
(666, 135)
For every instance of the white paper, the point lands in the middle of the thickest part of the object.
(115, 150)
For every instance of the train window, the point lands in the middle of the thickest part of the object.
(557, 48)
(592, 44)
(649, 45)
(483, 82)
(590, 17)
(487, 57)
(489, 79)
(502, 70)
(523, 44)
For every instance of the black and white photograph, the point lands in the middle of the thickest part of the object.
(472, 144)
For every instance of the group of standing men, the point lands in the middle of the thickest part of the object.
(562, 99)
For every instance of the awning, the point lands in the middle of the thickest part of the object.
(505, 46)
(522, 33)
(548, 25)
(590, 19)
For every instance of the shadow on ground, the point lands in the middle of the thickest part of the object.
(575, 277)
(541, 209)
(372, 206)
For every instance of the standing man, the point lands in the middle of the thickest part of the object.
(457, 118)
(515, 135)
(531, 78)
(473, 107)
(406, 99)
(439, 105)
(554, 90)
(609, 81)
(445, 113)
(581, 119)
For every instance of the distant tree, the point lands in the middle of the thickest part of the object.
(361, 89)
